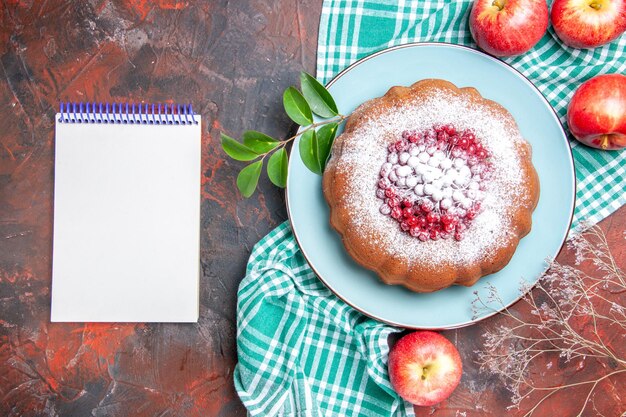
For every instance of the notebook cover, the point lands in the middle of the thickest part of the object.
(126, 221)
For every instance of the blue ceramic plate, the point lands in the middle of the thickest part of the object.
(449, 308)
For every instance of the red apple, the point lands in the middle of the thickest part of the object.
(597, 113)
(424, 368)
(508, 27)
(588, 23)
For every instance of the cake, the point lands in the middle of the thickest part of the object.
(431, 186)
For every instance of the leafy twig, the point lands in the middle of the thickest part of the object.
(314, 146)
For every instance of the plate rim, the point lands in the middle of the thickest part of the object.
(544, 269)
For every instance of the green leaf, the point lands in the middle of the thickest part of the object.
(277, 168)
(236, 150)
(309, 151)
(325, 137)
(317, 96)
(297, 107)
(259, 142)
(248, 178)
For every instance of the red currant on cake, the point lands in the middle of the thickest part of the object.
(436, 172)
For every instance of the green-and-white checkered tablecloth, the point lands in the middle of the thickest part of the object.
(302, 351)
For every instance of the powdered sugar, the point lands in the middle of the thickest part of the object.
(365, 151)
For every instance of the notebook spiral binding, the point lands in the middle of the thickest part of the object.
(125, 113)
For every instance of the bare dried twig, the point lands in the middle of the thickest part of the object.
(572, 313)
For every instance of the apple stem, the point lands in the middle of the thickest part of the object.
(596, 5)
(499, 4)
(604, 142)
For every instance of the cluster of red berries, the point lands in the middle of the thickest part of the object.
(427, 216)
(421, 221)
(462, 145)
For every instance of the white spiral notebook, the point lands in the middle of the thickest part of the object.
(126, 213)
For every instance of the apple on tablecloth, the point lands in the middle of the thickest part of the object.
(597, 113)
(588, 23)
(508, 27)
(424, 368)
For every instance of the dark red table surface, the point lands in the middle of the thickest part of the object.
(232, 60)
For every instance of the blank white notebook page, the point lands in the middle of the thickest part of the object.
(126, 222)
